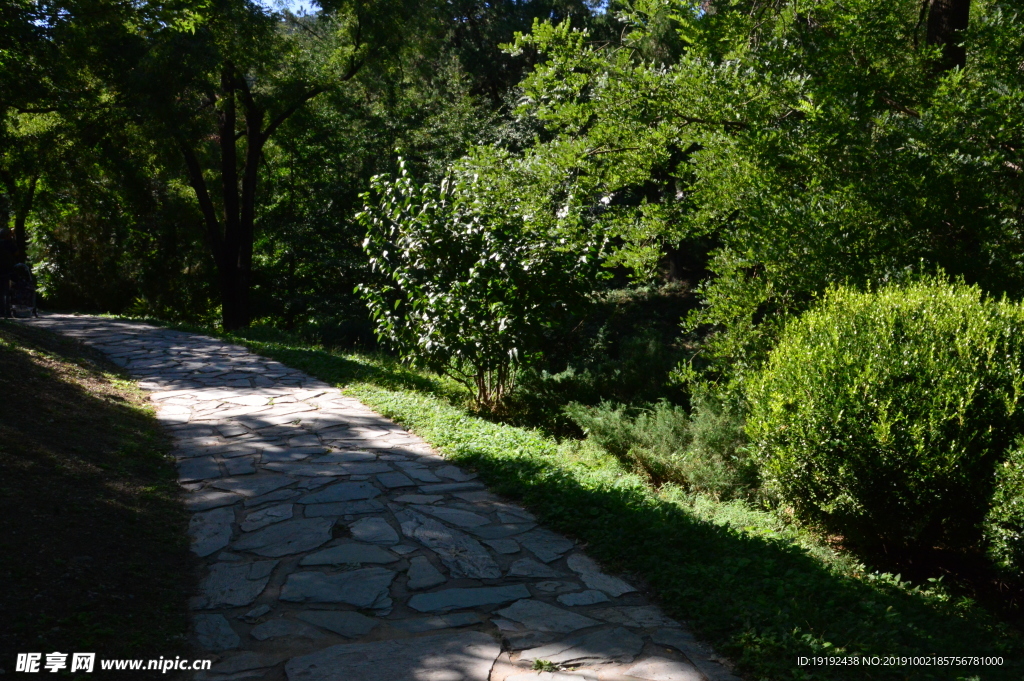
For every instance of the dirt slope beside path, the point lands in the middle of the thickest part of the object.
(337, 546)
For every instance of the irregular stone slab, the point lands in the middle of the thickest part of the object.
(280, 628)
(365, 588)
(464, 656)
(348, 624)
(461, 554)
(641, 616)
(343, 491)
(374, 531)
(456, 599)
(403, 549)
(344, 457)
(454, 516)
(527, 567)
(242, 466)
(266, 516)
(500, 531)
(664, 669)
(545, 544)
(393, 480)
(588, 597)
(254, 485)
(419, 498)
(269, 456)
(684, 642)
(199, 468)
(592, 576)
(557, 587)
(523, 640)
(540, 616)
(282, 539)
(309, 470)
(279, 495)
(423, 575)
(455, 473)
(209, 498)
(234, 584)
(599, 647)
(363, 468)
(349, 553)
(210, 531)
(503, 545)
(343, 508)
(422, 475)
(418, 625)
(214, 632)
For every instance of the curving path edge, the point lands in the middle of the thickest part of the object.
(336, 546)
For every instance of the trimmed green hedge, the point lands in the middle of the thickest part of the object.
(883, 415)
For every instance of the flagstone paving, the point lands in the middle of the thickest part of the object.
(337, 546)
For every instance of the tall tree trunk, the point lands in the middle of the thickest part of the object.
(946, 20)
(233, 277)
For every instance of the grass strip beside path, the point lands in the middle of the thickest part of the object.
(759, 591)
(93, 551)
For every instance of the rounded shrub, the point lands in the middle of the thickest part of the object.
(882, 415)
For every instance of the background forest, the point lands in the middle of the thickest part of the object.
(769, 254)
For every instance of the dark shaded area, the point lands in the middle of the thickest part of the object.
(93, 550)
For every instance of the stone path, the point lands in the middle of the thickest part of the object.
(337, 546)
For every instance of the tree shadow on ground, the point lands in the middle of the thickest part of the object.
(93, 549)
(761, 601)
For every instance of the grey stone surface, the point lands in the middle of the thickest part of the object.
(374, 531)
(605, 646)
(343, 508)
(503, 545)
(279, 495)
(455, 516)
(209, 498)
(684, 642)
(349, 553)
(642, 616)
(232, 584)
(364, 588)
(348, 624)
(210, 531)
(240, 466)
(545, 544)
(591, 574)
(550, 676)
(540, 616)
(266, 516)
(664, 669)
(281, 628)
(199, 468)
(418, 625)
(254, 614)
(254, 485)
(588, 597)
(527, 567)
(394, 480)
(461, 554)
(459, 599)
(449, 487)
(556, 587)
(423, 575)
(463, 656)
(342, 491)
(214, 633)
(419, 498)
(284, 538)
(241, 662)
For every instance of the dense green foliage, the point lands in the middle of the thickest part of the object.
(883, 415)
(1004, 522)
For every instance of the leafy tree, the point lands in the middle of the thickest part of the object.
(464, 284)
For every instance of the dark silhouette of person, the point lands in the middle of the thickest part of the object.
(8, 259)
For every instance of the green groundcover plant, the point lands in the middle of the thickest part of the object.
(884, 415)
